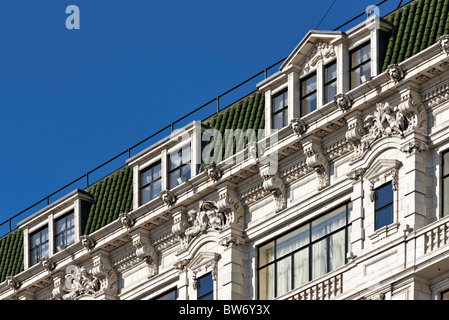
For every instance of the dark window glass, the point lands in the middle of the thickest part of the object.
(150, 183)
(65, 231)
(360, 64)
(445, 295)
(39, 245)
(383, 205)
(304, 254)
(178, 166)
(171, 295)
(445, 183)
(308, 94)
(280, 110)
(330, 82)
(205, 287)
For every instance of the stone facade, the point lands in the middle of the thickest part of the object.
(390, 129)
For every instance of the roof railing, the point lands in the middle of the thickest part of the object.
(170, 126)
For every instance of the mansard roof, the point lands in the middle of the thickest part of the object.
(416, 26)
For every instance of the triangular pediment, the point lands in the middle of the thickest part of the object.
(315, 46)
(380, 167)
(202, 258)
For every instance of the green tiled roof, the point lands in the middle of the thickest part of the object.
(11, 254)
(416, 26)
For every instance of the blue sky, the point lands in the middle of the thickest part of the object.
(72, 99)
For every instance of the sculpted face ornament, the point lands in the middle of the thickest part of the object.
(342, 101)
(167, 197)
(443, 43)
(395, 72)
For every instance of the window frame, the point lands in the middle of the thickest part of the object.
(57, 232)
(302, 98)
(326, 84)
(274, 262)
(171, 170)
(149, 184)
(283, 110)
(353, 68)
(389, 204)
(31, 249)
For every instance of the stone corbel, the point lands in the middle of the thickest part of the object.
(180, 225)
(275, 185)
(355, 133)
(105, 273)
(145, 251)
(13, 283)
(229, 204)
(395, 72)
(214, 172)
(127, 220)
(231, 241)
(87, 242)
(317, 161)
(48, 264)
(413, 110)
(58, 285)
(443, 43)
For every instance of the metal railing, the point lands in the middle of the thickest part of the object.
(170, 126)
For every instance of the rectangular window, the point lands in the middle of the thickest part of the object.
(179, 166)
(330, 82)
(383, 198)
(308, 94)
(280, 110)
(65, 231)
(170, 295)
(39, 245)
(205, 287)
(304, 254)
(360, 64)
(150, 183)
(445, 184)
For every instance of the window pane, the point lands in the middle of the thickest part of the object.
(145, 194)
(185, 171)
(266, 254)
(330, 91)
(365, 70)
(156, 189)
(292, 241)
(330, 73)
(145, 177)
(205, 287)
(266, 283)
(280, 101)
(301, 267)
(384, 216)
(173, 178)
(384, 195)
(156, 171)
(328, 223)
(308, 85)
(172, 295)
(319, 258)
(337, 250)
(308, 104)
(284, 276)
(355, 78)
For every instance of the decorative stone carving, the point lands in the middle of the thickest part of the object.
(146, 252)
(168, 197)
(229, 204)
(126, 219)
(357, 174)
(414, 146)
(298, 126)
(342, 101)
(413, 111)
(214, 172)
(48, 264)
(78, 282)
(443, 43)
(87, 242)
(385, 121)
(317, 161)
(322, 50)
(355, 133)
(182, 264)
(104, 272)
(231, 241)
(385, 167)
(275, 185)
(395, 72)
(253, 152)
(12, 282)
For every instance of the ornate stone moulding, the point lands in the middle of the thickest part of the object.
(321, 51)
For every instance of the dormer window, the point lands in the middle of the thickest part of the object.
(150, 183)
(330, 82)
(65, 231)
(280, 110)
(308, 94)
(360, 64)
(179, 166)
(39, 247)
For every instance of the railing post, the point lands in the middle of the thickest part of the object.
(218, 104)
(87, 180)
(9, 220)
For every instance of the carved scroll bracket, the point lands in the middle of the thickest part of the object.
(145, 251)
(355, 132)
(275, 185)
(412, 108)
(316, 160)
(106, 274)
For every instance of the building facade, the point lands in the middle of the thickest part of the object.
(328, 182)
